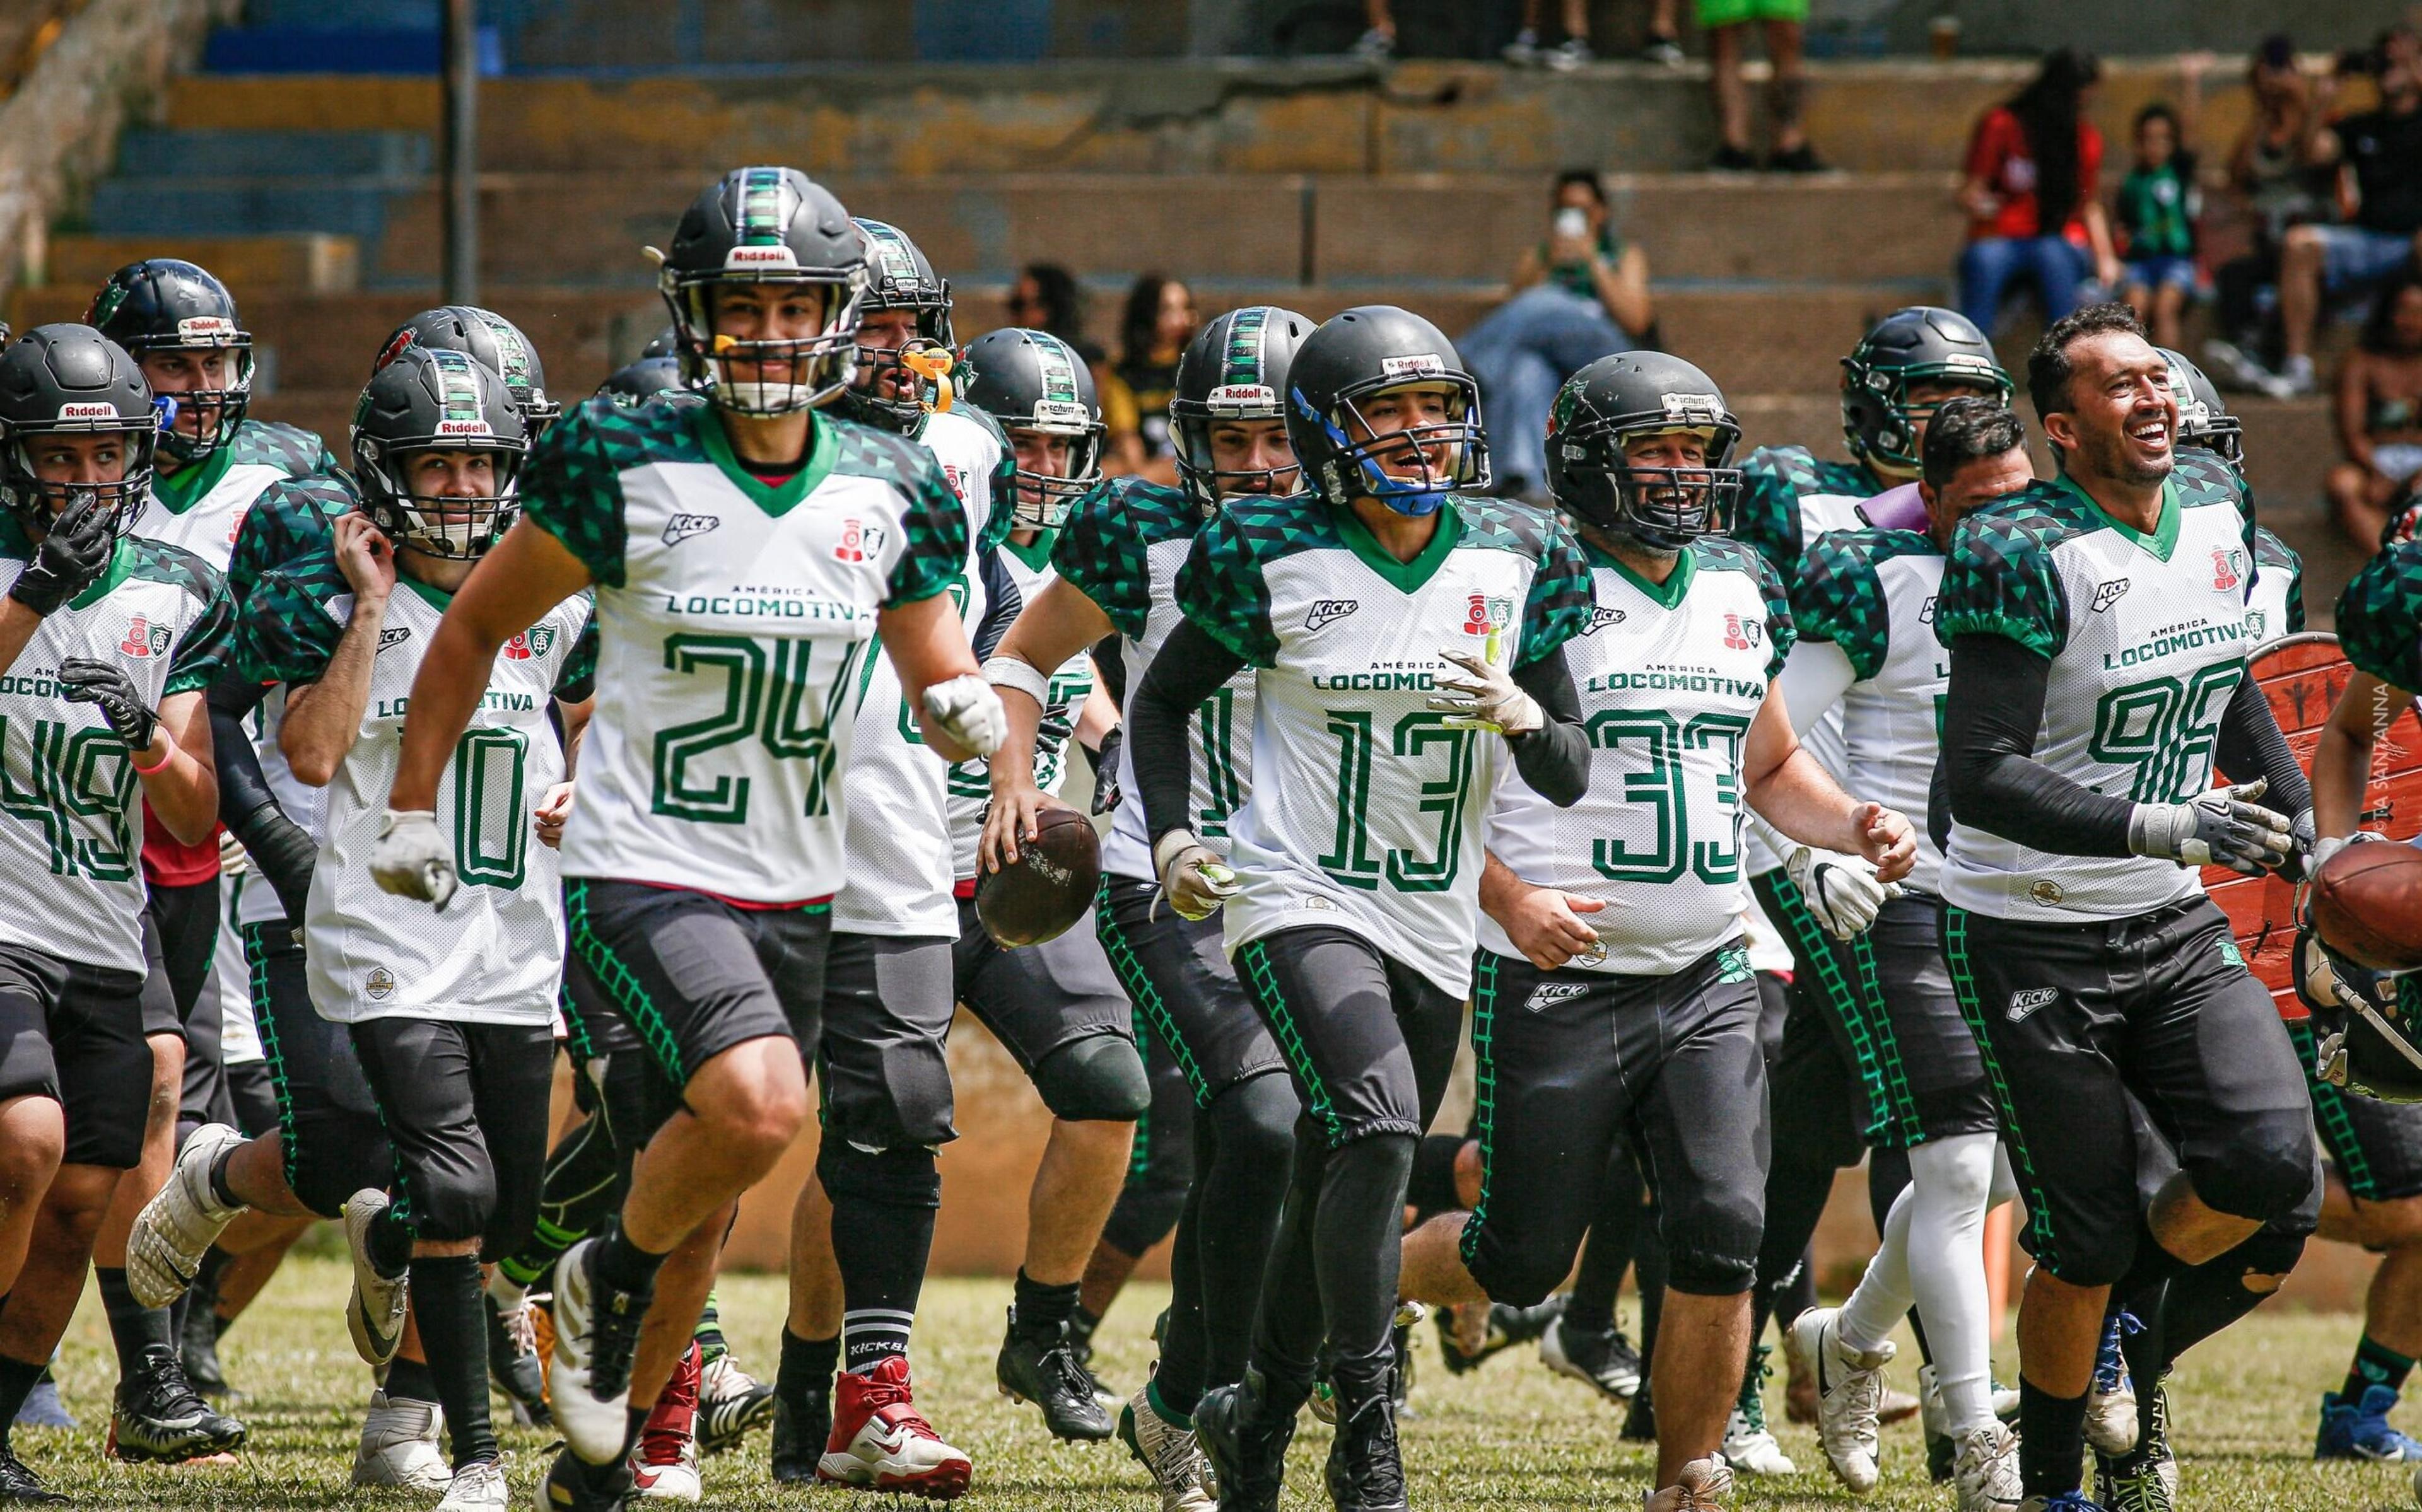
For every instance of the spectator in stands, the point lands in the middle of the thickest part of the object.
(2379, 413)
(2032, 195)
(1159, 321)
(1525, 52)
(1579, 294)
(1727, 23)
(2160, 206)
(2379, 193)
(1046, 298)
(1378, 40)
(2280, 169)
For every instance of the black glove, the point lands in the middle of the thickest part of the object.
(2301, 836)
(82, 681)
(1106, 774)
(70, 557)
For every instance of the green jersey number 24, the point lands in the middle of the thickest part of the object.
(767, 696)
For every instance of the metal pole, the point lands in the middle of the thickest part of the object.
(462, 149)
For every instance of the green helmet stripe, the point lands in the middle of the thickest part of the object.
(1244, 354)
(765, 208)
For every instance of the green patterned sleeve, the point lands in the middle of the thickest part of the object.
(1562, 595)
(206, 644)
(934, 525)
(578, 679)
(2001, 581)
(288, 633)
(1767, 519)
(289, 516)
(1221, 588)
(1101, 552)
(1782, 631)
(2379, 618)
(1838, 598)
(572, 489)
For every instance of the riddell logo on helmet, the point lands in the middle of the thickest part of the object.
(774, 256)
(463, 428)
(88, 411)
(199, 328)
(1243, 395)
(1427, 361)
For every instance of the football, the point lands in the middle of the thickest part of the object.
(1048, 887)
(2368, 905)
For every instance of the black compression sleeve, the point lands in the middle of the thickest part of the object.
(1190, 667)
(1988, 740)
(2250, 745)
(282, 849)
(1556, 758)
(1109, 660)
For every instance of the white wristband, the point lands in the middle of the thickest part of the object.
(1018, 673)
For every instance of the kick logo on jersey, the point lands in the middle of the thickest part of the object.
(1329, 611)
(858, 540)
(144, 638)
(393, 636)
(1600, 617)
(682, 527)
(536, 641)
(1925, 611)
(2110, 593)
(1742, 634)
(2227, 567)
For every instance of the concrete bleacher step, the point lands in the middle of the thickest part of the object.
(404, 156)
(235, 207)
(296, 262)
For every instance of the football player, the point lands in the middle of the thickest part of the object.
(744, 553)
(2097, 639)
(109, 640)
(1405, 637)
(1117, 559)
(2276, 608)
(862, 1226)
(1614, 1009)
(495, 342)
(1863, 604)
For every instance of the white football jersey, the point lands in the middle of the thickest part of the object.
(494, 954)
(232, 977)
(1124, 546)
(2276, 608)
(70, 810)
(733, 617)
(1670, 675)
(1871, 594)
(1367, 808)
(202, 507)
(2147, 636)
(901, 859)
(1029, 566)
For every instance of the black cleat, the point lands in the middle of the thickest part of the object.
(1601, 1358)
(1036, 1366)
(574, 1485)
(159, 1416)
(514, 1363)
(20, 1486)
(731, 1404)
(1640, 1423)
(802, 1426)
(1244, 1429)
(1366, 1468)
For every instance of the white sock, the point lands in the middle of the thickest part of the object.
(1953, 1183)
(1882, 1297)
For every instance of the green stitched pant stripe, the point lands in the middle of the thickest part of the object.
(1483, 1051)
(1963, 986)
(1145, 997)
(400, 1204)
(628, 992)
(576, 1030)
(2331, 1116)
(1263, 982)
(256, 956)
(1892, 1114)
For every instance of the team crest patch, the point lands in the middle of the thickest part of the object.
(1546, 993)
(2107, 594)
(682, 527)
(1329, 611)
(858, 540)
(2047, 892)
(144, 639)
(2227, 567)
(536, 641)
(379, 985)
(2029, 999)
(1600, 617)
(1742, 634)
(2229, 953)
(956, 476)
(1485, 613)
(2258, 625)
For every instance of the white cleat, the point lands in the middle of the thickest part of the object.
(1701, 1487)
(595, 1430)
(673, 1479)
(2111, 1404)
(479, 1488)
(1849, 1396)
(181, 1223)
(1751, 1450)
(374, 1314)
(398, 1445)
(885, 1443)
(1985, 1477)
(1180, 1470)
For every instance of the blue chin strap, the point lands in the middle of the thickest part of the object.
(1403, 496)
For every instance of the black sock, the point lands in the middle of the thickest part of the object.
(634, 1422)
(1356, 1249)
(391, 1243)
(2052, 1441)
(17, 1378)
(219, 1186)
(1083, 1321)
(808, 1365)
(624, 1265)
(1041, 1309)
(881, 1246)
(454, 1334)
(410, 1380)
(206, 1275)
(2376, 1364)
(132, 1327)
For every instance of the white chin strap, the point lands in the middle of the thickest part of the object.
(762, 397)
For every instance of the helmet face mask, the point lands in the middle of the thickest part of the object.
(64, 380)
(1035, 384)
(165, 306)
(1918, 346)
(1609, 407)
(887, 390)
(437, 400)
(1346, 372)
(1234, 373)
(750, 245)
(2204, 419)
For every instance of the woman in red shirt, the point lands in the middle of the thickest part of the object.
(2032, 195)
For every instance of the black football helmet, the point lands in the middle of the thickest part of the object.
(1923, 343)
(631, 387)
(1367, 350)
(166, 305)
(665, 343)
(492, 340)
(1633, 394)
(72, 379)
(434, 399)
(886, 392)
(1033, 380)
(766, 225)
(1235, 369)
(2204, 419)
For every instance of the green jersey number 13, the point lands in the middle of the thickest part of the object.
(1350, 860)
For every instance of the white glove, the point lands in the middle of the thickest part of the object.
(2323, 849)
(1192, 876)
(2225, 825)
(967, 712)
(233, 862)
(412, 859)
(1842, 894)
(1485, 699)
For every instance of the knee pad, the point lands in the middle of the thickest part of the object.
(1519, 1270)
(1254, 1120)
(1711, 1242)
(904, 1176)
(2265, 1168)
(2272, 1252)
(331, 1157)
(451, 1203)
(1099, 1079)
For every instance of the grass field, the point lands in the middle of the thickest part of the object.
(1507, 1436)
